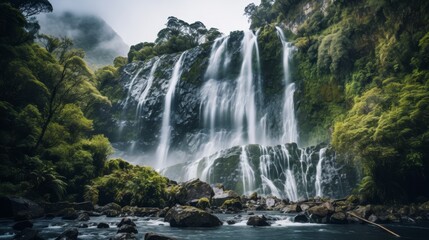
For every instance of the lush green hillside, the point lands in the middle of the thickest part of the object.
(362, 70)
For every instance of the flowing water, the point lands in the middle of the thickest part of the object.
(231, 114)
(164, 143)
(282, 228)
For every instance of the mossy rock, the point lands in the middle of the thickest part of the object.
(234, 204)
(203, 203)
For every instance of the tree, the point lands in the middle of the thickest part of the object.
(32, 7)
(66, 77)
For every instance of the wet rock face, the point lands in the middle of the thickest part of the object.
(186, 216)
(194, 189)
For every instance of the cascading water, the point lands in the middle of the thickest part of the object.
(234, 144)
(164, 144)
(290, 132)
(318, 183)
(228, 108)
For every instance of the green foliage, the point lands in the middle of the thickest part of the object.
(137, 186)
(47, 96)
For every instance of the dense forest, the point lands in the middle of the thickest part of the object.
(362, 70)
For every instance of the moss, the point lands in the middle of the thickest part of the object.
(203, 203)
(232, 204)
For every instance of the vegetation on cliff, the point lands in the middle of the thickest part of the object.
(361, 67)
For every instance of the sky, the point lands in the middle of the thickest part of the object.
(140, 20)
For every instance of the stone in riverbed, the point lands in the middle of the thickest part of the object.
(301, 218)
(83, 217)
(293, 208)
(156, 236)
(124, 236)
(194, 189)
(69, 234)
(186, 216)
(69, 214)
(103, 225)
(258, 221)
(338, 218)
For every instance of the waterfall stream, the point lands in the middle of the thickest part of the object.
(164, 143)
(236, 144)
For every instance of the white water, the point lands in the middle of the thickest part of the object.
(228, 107)
(290, 132)
(164, 144)
(318, 184)
(248, 175)
(144, 94)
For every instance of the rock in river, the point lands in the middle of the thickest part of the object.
(186, 216)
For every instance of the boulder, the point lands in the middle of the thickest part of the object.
(69, 214)
(231, 222)
(128, 229)
(156, 236)
(127, 226)
(338, 218)
(126, 221)
(293, 208)
(194, 189)
(124, 236)
(186, 216)
(320, 211)
(110, 206)
(301, 218)
(221, 197)
(258, 221)
(363, 211)
(146, 212)
(69, 234)
(161, 213)
(83, 217)
(111, 213)
(28, 234)
(19, 208)
(103, 225)
(59, 206)
(19, 226)
(232, 205)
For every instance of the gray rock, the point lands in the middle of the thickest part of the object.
(293, 208)
(124, 236)
(69, 214)
(126, 221)
(301, 218)
(103, 225)
(186, 216)
(156, 236)
(338, 218)
(258, 221)
(83, 217)
(128, 229)
(194, 189)
(69, 234)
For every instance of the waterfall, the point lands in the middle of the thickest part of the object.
(228, 107)
(290, 132)
(318, 183)
(248, 176)
(144, 94)
(164, 144)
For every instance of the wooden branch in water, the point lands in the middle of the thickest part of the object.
(373, 223)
